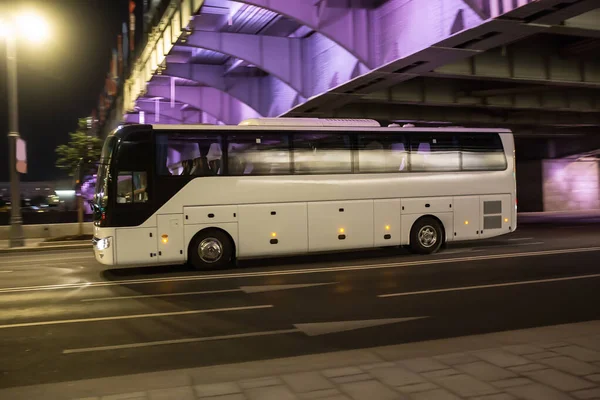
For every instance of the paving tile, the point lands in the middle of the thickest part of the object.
(126, 396)
(571, 365)
(485, 371)
(559, 380)
(417, 387)
(465, 385)
(499, 396)
(550, 345)
(440, 373)
(270, 393)
(330, 373)
(591, 342)
(501, 358)
(369, 390)
(504, 383)
(216, 389)
(179, 393)
(521, 349)
(368, 367)
(578, 352)
(438, 394)
(542, 355)
(396, 376)
(537, 392)
(237, 396)
(588, 394)
(319, 394)
(423, 364)
(593, 377)
(260, 382)
(306, 382)
(527, 367)
(456, 358)
(351, 378)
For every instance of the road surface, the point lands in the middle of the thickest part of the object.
(65, 317)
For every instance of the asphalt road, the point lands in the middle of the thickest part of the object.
(65, 317)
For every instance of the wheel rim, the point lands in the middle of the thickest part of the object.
(427, 236)
(210, 250)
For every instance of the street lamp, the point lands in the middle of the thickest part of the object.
(34, 28)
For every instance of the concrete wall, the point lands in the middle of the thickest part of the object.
(570, 185)
(48, 231)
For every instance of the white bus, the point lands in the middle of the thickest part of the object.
(208, 195)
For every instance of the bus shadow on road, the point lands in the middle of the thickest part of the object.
(317, 260)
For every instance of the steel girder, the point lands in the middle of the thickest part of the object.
(310, 66)
(265, 94)
(347, 22)
(525, 65)
(465, 115)
(220, 105)
(452, 93)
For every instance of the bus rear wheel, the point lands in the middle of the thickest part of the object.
(210, 249)
(426, 236)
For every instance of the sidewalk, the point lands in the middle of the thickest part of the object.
(32, 245)
(556, 362)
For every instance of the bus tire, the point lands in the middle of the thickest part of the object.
(426, 235)
(210, 249)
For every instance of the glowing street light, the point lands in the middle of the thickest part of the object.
(32, 27)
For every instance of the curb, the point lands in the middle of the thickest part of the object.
(47, 248)
(65, 243)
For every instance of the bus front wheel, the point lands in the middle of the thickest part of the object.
(426, 236)
(210, 249)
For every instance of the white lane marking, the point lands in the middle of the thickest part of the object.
(178, 341)
(309, 329)
(517, 239)
(134, 316)
(143, 296)
(5, 272)
(272, 288)
(245, 289)
(457, 289)
(301, 271)
(324, 328)
(43, 260)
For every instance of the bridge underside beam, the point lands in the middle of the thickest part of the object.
(466, 115)
(524, 65)
(266, 94)
(457, 93)
(345, 22)
(219, 104)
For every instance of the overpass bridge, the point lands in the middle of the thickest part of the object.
(529, 65)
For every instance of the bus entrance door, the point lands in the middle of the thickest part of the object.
(170, 238)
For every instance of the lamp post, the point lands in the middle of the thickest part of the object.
(35, 29)
(16, 222)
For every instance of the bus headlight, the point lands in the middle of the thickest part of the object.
(102, 244)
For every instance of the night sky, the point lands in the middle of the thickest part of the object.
(61, 80)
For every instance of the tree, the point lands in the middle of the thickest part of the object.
(82, 149)
(79, 158)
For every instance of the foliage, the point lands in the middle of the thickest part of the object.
(81, 148)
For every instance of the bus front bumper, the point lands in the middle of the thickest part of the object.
(104, 247)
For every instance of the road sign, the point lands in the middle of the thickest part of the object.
(21, 156)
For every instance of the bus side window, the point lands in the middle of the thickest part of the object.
(382, 153)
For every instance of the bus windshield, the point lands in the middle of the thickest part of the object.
(101, 193)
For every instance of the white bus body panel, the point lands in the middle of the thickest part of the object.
(338, 225)
(284, 224)
(466, 218)
(496, 215)
(386, 221)
(170, 238)
(136, 245)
